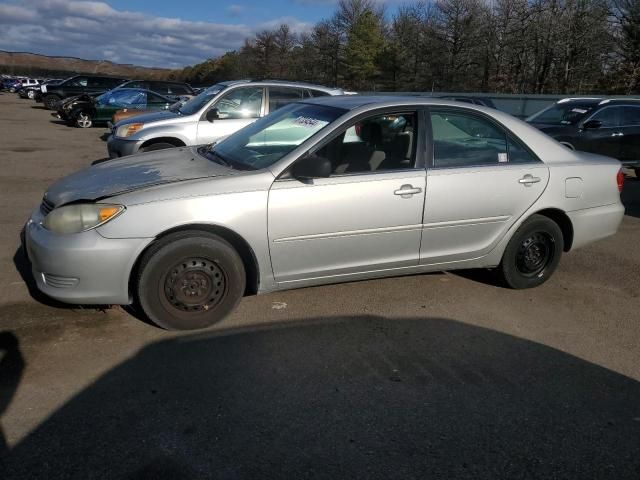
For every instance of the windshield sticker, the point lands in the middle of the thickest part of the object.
(502, 157)
(579, 110)
(306, 122)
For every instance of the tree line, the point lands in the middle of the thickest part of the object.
(502, 46)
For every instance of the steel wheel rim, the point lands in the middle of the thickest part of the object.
(534, 254)
(84, 121)
(194, 285)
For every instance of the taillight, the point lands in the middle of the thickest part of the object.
(620, 179)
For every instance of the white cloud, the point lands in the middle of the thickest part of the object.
(95, 30)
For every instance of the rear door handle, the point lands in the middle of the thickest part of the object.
(405, 191)
(528, 179)
(617, 134)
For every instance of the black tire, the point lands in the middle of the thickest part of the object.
(637, 172)
(50, 101)
(157, 146)
(208, 271)
(532, 254)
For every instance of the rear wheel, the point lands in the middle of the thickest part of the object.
(637, 172)
(84, 120)
(190, 280)
(532, 254)
(157, 146)
(50, 101)
(31, 94)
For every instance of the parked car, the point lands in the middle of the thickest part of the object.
(29, 91)
(11, 84)
(175, 90)
(37, 96)
(5, 81)
(317, 193)
(68, 105)
(86, 111)
(133, 112)
(214, 114)
(25, 83)
(606, 126)
(75, 86)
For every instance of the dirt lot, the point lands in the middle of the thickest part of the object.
(429, 376)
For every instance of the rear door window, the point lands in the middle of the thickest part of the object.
(153, 99)
(609, 117)
(243, 102)
(77, 82)
(462, 139)
(630, 116)
(281, 96)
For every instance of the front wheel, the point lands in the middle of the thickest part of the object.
(84, 120)
(532, 254)
(50, 102)
(190, 280)
(157, 146)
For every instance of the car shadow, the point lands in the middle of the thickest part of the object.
(358, 397)
(23, 267)
(631, 196)
(38, 107)
(105, 136)
(12, 366)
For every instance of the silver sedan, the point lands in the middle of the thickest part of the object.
(328, 190)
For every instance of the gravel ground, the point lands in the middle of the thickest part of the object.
(427, 376)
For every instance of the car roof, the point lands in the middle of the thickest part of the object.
(352, 102)
(283, 83)
(598, 100)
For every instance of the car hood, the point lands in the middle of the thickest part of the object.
(152, 117)
(126, 174)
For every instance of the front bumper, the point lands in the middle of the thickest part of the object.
(121, 147)
(83, 268)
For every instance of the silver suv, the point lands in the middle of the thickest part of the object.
(214, 114)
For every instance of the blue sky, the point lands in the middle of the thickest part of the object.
(233, 11)
(161, 33)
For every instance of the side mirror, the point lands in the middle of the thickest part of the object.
(311, 166)
(213, 114)
(592, 125)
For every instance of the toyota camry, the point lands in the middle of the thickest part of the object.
(326, 190)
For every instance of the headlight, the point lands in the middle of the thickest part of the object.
(125, 131)
(80, 217)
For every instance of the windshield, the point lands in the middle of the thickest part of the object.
(124, 97)
(266, 141)
(562, 114)
(196, 103)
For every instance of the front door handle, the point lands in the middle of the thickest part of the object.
(617, 134)
(528, 179)
(405, 191)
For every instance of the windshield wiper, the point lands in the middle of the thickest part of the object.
(210, 153)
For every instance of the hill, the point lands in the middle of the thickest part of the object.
(25, 63)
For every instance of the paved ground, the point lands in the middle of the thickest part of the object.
(429, 376)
